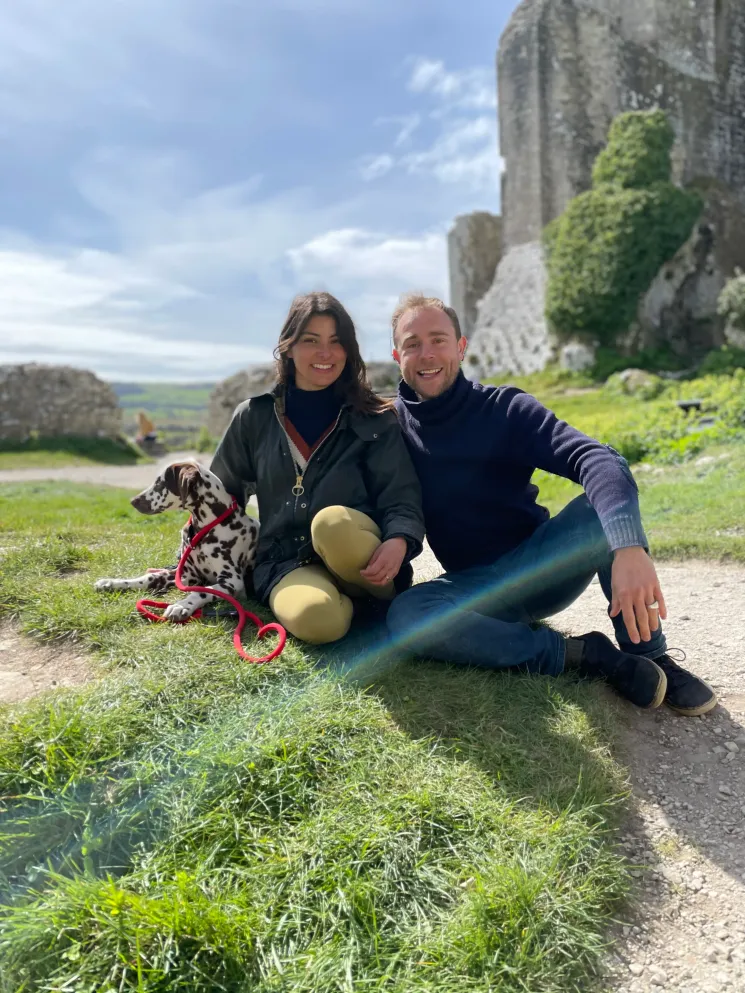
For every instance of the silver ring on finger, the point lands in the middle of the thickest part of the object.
(653, 606)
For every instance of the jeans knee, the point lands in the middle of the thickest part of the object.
(408, 611)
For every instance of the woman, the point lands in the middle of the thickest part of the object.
(339, 500)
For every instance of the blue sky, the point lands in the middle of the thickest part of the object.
(172, 172)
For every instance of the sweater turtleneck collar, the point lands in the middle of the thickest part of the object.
(440, 408)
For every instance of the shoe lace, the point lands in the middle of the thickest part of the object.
(673, 667)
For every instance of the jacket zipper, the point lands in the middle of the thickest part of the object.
(298, 489)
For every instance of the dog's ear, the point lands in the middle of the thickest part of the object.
(181, 479)
(188, 484)
(171, 477)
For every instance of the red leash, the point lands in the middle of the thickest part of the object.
(243, 614)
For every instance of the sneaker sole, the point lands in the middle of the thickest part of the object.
(661, 690)
(703, 708)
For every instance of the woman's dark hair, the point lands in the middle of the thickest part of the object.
(352, 385)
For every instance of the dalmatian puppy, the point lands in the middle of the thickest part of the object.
(222, 558)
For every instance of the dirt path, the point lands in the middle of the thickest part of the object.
(687, 827)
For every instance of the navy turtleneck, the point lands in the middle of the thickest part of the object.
(311, 412)
(475, 449)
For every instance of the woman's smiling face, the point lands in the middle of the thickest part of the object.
(318, 354)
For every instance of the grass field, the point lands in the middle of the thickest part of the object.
(174, 404)
(694, 510)
(71, 450)
(191, 822)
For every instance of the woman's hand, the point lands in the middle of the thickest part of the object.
(385, 563)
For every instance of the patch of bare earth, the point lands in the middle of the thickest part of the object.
(28, 667)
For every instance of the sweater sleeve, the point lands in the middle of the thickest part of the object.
(537, 437)
(395, 488)
(232, 462)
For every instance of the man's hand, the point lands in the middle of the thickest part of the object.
(385, 563)
(635, 585)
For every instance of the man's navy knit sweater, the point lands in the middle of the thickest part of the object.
(475, 449)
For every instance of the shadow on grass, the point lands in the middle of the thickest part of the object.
(542, 740)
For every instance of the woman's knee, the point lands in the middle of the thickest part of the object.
(345, 539)
(332, 526)
(317, 619)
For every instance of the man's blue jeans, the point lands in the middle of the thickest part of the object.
(482, 616)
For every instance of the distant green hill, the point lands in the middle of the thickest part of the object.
(177, 409)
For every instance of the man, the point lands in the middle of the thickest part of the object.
(507, 564)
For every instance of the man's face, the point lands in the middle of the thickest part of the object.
(428, 351)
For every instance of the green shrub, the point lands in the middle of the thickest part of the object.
(205, 442)
(638, 151)
(731, 303)
(722, 362)
(609, 361)
(607, 247)
(658, 431)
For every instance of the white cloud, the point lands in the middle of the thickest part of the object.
(407, 124)
(103, 312)
(466, 153)
(375, 166)
(370, 270)
(351, 253)
(474, 88)
(464, 150)
(198, 284)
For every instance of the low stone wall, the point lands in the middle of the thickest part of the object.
(53, 400)
(234, 390)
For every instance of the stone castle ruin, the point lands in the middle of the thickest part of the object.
(566, 69)
(53, 400)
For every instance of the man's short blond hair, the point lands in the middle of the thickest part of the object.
(418, 301)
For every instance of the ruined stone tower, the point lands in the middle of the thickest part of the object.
(566, 68)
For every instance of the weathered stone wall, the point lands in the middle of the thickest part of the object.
(512, 334)
(53, 400)
(474, 251)
(234, 390)
(566, 68)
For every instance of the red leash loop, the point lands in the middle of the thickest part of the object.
(243, 614)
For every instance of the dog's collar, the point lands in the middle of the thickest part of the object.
(191, 531)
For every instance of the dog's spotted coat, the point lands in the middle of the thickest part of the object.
(222, 558)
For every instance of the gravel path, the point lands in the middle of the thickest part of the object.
(130, 477)
(686, 830)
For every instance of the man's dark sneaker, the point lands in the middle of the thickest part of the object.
(686, 693)
(634, 677)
